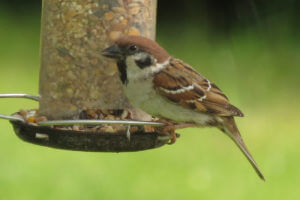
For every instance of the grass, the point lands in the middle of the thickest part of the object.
(203, 164)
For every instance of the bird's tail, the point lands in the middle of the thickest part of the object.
(230, 128)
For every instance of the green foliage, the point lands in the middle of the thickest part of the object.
(257, 69)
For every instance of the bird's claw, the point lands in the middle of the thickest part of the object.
(174, 137)
(169, 130)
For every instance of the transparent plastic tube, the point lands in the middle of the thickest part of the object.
(73, 75)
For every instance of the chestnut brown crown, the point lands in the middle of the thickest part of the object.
(131, 44)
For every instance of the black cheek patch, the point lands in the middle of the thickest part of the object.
(122, 71)
(143, 63)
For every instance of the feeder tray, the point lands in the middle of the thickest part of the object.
(44, 134)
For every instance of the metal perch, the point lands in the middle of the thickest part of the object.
(44, 134)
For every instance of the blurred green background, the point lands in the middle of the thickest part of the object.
(251, 49)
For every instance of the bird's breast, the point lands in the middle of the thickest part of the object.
(142, 95)
(139, 92)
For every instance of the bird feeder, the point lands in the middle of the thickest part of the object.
(81, 103)
(74, 77)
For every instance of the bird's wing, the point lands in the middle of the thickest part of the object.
(181, 84)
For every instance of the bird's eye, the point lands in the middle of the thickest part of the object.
(132, 48)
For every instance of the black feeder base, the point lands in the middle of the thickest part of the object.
(88, 141)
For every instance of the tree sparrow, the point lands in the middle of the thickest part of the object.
(170, 89)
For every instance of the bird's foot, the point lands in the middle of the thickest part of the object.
(168, 130)
(174, 137)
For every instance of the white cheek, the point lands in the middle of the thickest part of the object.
(131, 65)
(133, 71)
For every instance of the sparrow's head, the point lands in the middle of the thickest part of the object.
(136, 56)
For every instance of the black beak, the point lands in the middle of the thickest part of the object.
(112, 52)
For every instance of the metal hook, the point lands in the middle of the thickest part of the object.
(12, 118)
(128, 134)
(16, 95)
(96, 122)
(20, 95)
